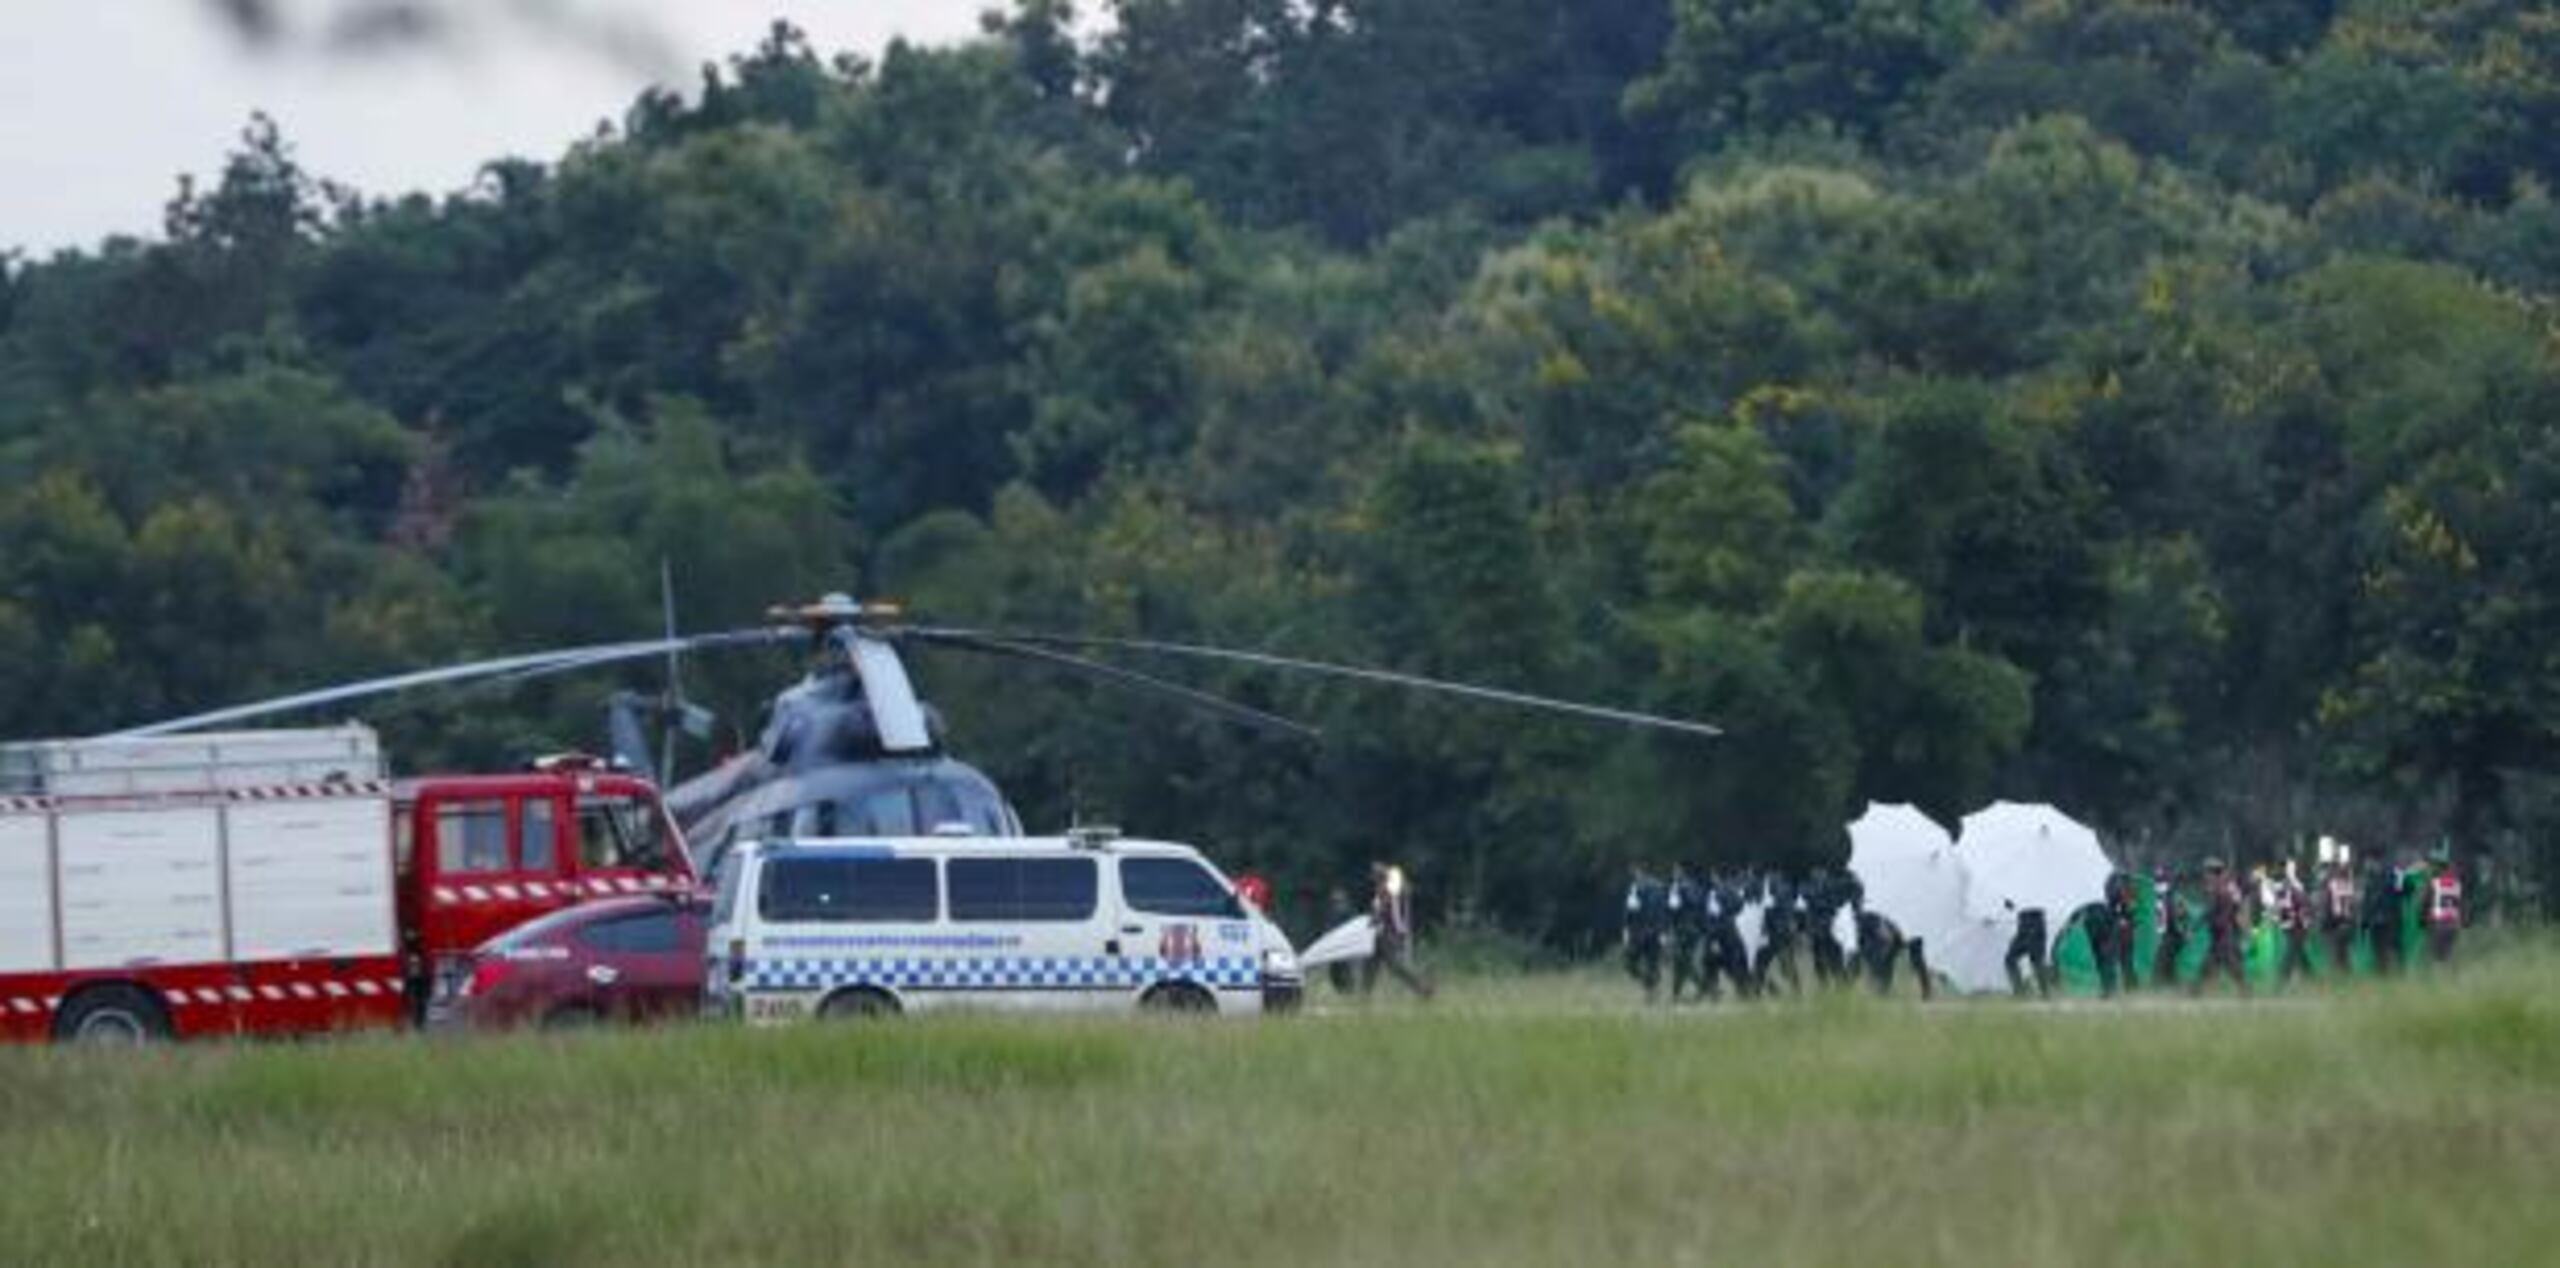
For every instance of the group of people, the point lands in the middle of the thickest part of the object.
(2334, 909)
(1688, 929)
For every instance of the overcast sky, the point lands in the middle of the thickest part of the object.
(104, 102)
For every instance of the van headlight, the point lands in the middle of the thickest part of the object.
(1280, 962)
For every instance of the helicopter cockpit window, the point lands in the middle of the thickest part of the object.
(619, 834)
(885, 812)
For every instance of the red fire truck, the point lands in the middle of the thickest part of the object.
(276, 882)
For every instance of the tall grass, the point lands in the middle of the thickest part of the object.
(1548, 1120)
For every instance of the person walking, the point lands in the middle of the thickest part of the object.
(1725, 955)
(2226, 919)
(2292, 908)
(2124, 915)
(1640, 934)
(2381, 916)
(1823, 898)
(1391, 909)
(2444, 913)
(2029, 943)
(1781, 912)
(2338, 915)
(2168, 927)
(2098, 921)
(1688, 920)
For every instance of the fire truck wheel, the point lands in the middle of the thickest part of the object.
(112, 1016)
(858, 1004)
(1178, 997)
(571, 1017)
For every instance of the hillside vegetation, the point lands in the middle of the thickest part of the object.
(2146, 406)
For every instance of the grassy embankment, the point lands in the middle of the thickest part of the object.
(1548, 1121)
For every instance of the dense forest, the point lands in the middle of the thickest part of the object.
(2144, 405)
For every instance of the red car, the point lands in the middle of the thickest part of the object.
(617, 960)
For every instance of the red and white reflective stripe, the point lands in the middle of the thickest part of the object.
(25, 805)
(31, 1004)
(299, 792)
(505, 891)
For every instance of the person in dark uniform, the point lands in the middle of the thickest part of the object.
(1725, 955)
(1781, 913)
(1338, 911)
(2124, 918)
(2382, 887)
(2168, 925)
(1647, 919)
(1688, 919)
(2030, 944)
(1880, 943)
(1823, 897)
(2226, 920)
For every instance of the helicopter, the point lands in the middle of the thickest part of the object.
(851, 749)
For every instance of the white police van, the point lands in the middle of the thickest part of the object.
(853, 928)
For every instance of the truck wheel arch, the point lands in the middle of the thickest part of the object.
(113, 1012)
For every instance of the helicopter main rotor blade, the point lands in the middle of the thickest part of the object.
(528, 665)
(1266, 660)
(1228, 709)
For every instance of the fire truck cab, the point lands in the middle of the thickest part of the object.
(274, 882)
(479, 855)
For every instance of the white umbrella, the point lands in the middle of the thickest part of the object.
(2019, 857)
(1907, 869)
(1910, 874)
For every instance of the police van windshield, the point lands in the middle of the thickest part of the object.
(1176, 887)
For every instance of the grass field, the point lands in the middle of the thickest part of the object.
(1540, 1121)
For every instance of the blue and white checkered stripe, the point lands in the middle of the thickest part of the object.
(1003, 973)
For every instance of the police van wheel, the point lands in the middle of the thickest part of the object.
(115, 1016)
(1178, 997)
(857, 1005)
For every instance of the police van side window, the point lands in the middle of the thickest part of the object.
(471, 836)
(1022, 889)
(842, 890)
(1175, 887)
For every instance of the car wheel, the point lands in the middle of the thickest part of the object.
(1178, 997)
(117, 1016)
(857, 1005)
